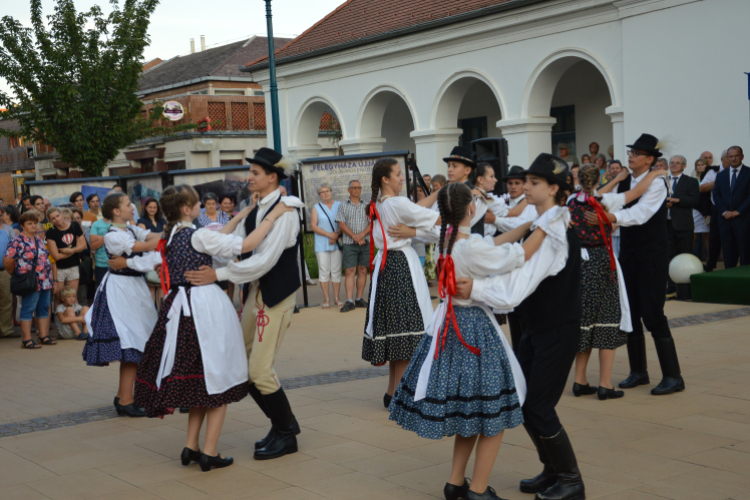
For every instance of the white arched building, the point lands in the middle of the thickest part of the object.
(425, 76)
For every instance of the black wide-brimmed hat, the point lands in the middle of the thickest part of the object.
(647, 143)
(515, 172)
(552, 168)
(269, 159)
(461, 155)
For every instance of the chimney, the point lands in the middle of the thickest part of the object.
(192, 45)
(203, 43)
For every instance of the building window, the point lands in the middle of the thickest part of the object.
(474, 128)
(565, 128)
(217, 111)
(259, 116)
(229, 92)
(240, 116)
(258, 93)
(176, 165)
(147, 165)
(200, 92)
(230, 163)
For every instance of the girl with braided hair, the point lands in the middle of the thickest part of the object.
(464, 379)
(605, 318)
(400, 308)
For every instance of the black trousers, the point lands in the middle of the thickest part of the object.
(735, 240)
(679, 242)
(516, 330)
(714, 240)
(546, 359)
(645, 276)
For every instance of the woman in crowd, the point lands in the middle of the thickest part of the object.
(151, 216)
(400, 306)
(601, 163)
(585, 158)
(702, 213)
(227, 202)
(123, 316)
(212, 217)
(605, 318)
(464, 380)
(196, 357)
(66, 243)
(496, 207)
(27, 254)
(11, 218)
(326, 229)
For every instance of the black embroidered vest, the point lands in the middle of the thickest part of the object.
(648, 239)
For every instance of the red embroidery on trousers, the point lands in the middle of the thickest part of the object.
(261, 322)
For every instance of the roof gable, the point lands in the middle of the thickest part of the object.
(218, 61)
(357, 19)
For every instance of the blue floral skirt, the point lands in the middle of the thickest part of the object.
(103, 346)
(467, 394)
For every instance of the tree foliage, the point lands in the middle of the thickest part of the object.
(75, 77)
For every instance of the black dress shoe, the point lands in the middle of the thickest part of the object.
(543, 481)
(260, 444)
(362, 303)
(583, 390)
(217, 462)
(387, 400)
(489, 494)
(634, 380)
(348, 306)
(189, 455)
(453, 492)
(131, 410)
(605, 393)
(668, 385)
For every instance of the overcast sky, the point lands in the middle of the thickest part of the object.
(175, 22)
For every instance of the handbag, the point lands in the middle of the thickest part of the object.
(25, 284)
(339, 243)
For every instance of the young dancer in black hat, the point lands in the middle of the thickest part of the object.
(644, 256)
(548, 345)
(462, 168)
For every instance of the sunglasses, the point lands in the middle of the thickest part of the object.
(634, 152)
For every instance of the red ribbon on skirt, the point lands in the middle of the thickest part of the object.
(375, 215)
(164, 274)
(447, 288)
(607, 239)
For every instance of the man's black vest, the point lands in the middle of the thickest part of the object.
(557, 299)
(283, 278)
(647, 239)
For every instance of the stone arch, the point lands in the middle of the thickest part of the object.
(445, 110)
(385, 102)
(307, 125)
(545, 77)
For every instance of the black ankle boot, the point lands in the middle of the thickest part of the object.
(217, 462)
(638, 364)
(583, 390)
(284, 436)
(569, 484)
(189, 455)
(489, 494)
(453, 492)
(670, 368)
(260, 444)
(547, 477)
(131, 410)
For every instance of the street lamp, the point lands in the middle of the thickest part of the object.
(274, 88)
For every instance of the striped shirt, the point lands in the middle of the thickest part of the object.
(355, 217)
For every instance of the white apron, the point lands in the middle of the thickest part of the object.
(219, 335)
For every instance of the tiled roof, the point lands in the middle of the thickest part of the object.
(218, 61)
(356, 19)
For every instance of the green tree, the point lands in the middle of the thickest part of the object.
(75, 80)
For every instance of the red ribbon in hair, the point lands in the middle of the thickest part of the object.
(375, 215)
(164, 274)
(607, 240)
(447, 288)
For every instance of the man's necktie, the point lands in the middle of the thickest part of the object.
(674, 183)
(734, 178)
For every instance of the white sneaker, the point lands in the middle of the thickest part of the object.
(311, 282)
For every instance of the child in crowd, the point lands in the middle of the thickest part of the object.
(70, 316)
(123, 315)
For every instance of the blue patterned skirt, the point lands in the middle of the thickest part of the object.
(466, 394)
(103, 346)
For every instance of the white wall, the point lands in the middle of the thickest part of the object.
(584, 87)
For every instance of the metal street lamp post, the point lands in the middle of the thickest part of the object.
(274, 88)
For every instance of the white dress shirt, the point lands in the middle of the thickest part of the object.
(505, 224)
(498, 208)
(711, 177)
(647, 205)
(505, 292)
(282, 235)
(512, 202)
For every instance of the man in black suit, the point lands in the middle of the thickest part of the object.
(684, 196)
(732, 199)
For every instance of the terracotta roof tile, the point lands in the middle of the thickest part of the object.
(355, 19)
